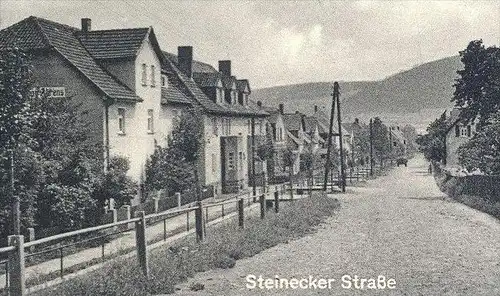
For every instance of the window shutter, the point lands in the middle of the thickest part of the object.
(457, 131)
(468, 131)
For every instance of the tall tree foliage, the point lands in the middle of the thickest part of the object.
(380, 139)
(361, 143)
(482, 152)
(432, 144)
(477, 89)
(174, 167)
(57, 167)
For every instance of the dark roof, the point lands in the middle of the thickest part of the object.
(241, 84)
(198, 66)
(292, 121)
(173, 95)
(207, 79)
(37, 33)
(228, 81)
(110, 44)
(324, 123)
(310, 123)
(192, 89)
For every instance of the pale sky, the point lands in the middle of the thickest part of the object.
(285, 42)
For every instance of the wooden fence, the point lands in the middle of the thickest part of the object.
(18, 250)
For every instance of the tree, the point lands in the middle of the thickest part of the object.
(361, 143)
(482, 151)
(57, 165)
(477, 90)
(432, 144)
(16, 120)
(175, 167)
(380, 140)
(410, 134)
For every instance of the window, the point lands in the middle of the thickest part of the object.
(457, 131)
(230, 161)
(226, 126)
(121, 120)
(214, 163)
(153, 76)
(215, 127)
(234, 97)
(220, 95)
(144, 77)
(164, 81)
(150, 121)
(241, 160)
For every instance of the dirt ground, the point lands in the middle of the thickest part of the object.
(399, 226)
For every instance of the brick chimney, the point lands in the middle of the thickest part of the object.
(225, 67)
(315, 108)
(281, 107)
(185, 60)
(356, 120)
(86, 24)
(259, 103)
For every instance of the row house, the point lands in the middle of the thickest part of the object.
(297, 138)
(458, 133)
(276, 166)
(355, 129)
(323, 122)
(114, 75)
(397, 141)
(228, 119)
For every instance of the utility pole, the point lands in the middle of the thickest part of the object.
(330, 132)
(339, 120)
(390, 143)
(16, 210)
(371, 147)
(254, 184)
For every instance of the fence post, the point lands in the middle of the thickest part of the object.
(178, 198)
(31, 237)
(198, 215)
(16, 266)
(262, 200)
(155, 204)
(241, 217)
(276, 202)
(140, 241)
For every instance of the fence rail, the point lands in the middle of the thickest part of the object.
(15, 265)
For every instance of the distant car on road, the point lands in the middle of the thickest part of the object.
(402, 160)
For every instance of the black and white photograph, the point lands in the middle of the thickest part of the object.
(239, 148)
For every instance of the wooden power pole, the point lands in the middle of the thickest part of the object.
(16, 209)
(339, 120)
(371, 147)
(330, 134)
(254, 183)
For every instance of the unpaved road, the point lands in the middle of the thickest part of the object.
(399, 226)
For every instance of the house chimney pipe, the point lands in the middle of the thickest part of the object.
(259, 103)
(86, 24)
(225, 67)
(315, 108)
(185, 60)
(281, 108)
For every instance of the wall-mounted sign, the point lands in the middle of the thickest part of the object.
(49, 91)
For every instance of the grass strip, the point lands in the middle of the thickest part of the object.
(224, 244)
